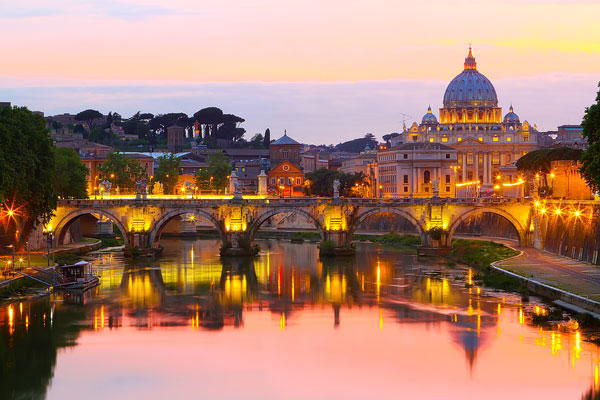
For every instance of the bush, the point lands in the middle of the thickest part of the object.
(436, 232)
(327, 248)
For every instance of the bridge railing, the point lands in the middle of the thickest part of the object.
(298, 201)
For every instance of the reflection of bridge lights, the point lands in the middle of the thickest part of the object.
(543, 211)
(558, 211)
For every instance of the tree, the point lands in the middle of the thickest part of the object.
(320, 183)
(26, 166)
(257, 142)
(167, 172)
(69, 174)
(209, 119)
(161, 122)
(216, 175)
(590, 170)
(267, 138)
(357, 145)
(122, 172)
(99, 135)
(88, 116)
(540, 162)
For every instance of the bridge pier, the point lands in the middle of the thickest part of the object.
(237, 244)
(435, 244)
(337, 243)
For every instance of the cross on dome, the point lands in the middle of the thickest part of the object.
(470, 62)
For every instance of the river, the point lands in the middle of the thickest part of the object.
(287, 326)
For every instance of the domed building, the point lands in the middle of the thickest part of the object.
(471, 123)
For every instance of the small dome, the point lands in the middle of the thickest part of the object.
(429, 118)
(511, 117)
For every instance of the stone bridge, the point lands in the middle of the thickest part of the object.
(141, 222)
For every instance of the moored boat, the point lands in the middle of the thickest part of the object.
(78, 276)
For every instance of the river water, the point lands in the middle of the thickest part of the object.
(287, 326)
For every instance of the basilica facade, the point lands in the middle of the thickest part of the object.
(487, 143)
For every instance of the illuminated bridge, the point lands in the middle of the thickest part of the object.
(435, 220)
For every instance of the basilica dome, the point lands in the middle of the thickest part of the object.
(429, 118)
(511, 117)
(470, 88)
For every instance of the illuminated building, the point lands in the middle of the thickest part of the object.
(471, 122)
(286, 176)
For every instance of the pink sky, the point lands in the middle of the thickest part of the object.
(385, 57)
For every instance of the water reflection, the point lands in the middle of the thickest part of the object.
(424, 313)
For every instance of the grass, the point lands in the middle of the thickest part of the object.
(21, 287)
(391, 238)
(478, 255)
(111, 242)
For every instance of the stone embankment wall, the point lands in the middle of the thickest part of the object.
(571, 235)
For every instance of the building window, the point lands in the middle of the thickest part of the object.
(509, 138)
(273, 181)
(460, 158)
(495, 138)
(297, 181)
(405, 155)
(444, 139)
(414, 138)
(447, 178)
(285, 154)
(447, 188)
(405, 189)
(426, 177)
(290, 182)
(480, 158)
(405, 178)
(459, 139)
(495, 157)
(282, 181)
(469, 158)
(430, 140)
(526, 138)
(480, 138)
(447, 155)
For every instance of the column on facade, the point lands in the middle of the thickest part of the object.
(485, 168)
(413, 180)
(490, 168)
(417, 189)
(464, 167)
(476, 163)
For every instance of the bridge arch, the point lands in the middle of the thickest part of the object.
(521, 231)
(65, 223)
(362, 216)
(158, 226)
(262, 218)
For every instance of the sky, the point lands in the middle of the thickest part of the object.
(327, 71)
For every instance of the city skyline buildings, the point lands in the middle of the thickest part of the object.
(335, 70)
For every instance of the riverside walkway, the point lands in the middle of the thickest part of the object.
(564, 273)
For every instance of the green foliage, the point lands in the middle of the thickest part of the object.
(69, 174)
(544, 319)
(499, 280)
(436, 232)
(540, 160)
(111, 242)
(320, 183)
(591, 157)
(216, 175)
(327, 248)
(88, 116)
(479, 254)
(102, 136)
(587, 321)
(26, 164)
(121, 171)
(358, 145)
(391, 238)
(167, 172)
(216, 125)
(257, 142)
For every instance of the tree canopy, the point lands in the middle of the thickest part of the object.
(88, 116)
(167, 172)
(320, 183)
(216, 125)
(540, 160)
(216, 175)
(121, 171)
(26, 165)
(358, 145)
(69, 174)
(590, 159)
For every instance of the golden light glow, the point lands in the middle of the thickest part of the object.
(558, 211)
(543, 211)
